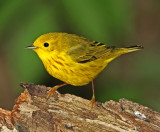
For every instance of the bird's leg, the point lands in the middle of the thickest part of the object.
(92, 101)
(52, 90)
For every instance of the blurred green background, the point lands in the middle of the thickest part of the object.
(134, 76)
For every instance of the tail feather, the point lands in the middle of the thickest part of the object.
(125, 49)
(136, 47)
(115, 52)
(132, 48)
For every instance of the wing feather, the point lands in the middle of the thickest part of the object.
(88, 52)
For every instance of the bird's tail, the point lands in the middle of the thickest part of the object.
(115, 52)
(131, 48)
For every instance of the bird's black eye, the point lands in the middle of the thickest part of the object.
(46, 44)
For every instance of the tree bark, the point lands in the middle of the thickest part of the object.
(33, 112)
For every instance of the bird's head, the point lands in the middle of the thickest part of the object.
(45, 44)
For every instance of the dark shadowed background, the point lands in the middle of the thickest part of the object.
(134, 76)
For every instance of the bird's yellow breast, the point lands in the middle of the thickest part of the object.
(61, 66)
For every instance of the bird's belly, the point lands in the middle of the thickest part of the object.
(75, 73)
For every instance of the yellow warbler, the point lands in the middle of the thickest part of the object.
(73, 59)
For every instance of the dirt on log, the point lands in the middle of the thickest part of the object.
(33, 112)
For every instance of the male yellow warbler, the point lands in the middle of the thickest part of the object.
(73, 59)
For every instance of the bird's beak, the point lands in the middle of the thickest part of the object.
(31, 47)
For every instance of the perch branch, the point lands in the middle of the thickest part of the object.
(33, 112)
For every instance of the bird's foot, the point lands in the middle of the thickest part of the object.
(52, 91)
(92, 102)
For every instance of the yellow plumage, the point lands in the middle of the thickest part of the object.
(73, 59)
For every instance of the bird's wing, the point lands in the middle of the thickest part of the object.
(88, 52)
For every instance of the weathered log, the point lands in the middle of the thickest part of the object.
(33, 112)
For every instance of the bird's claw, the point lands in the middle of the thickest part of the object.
(51, 92)
(92, 102)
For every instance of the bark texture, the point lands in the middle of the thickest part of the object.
(32, 112)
